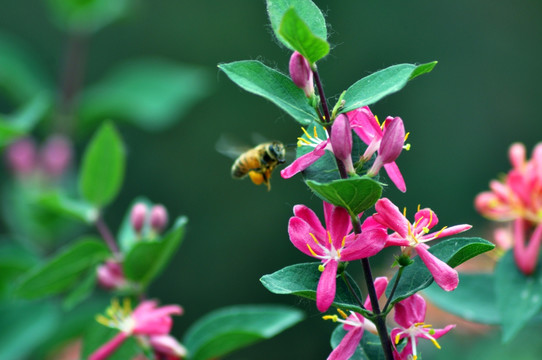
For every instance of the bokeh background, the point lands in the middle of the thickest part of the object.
(483, 95)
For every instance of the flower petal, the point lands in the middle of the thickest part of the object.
(347, 346)
(395, 175)
(410, 311)
(389, 215)
(445, 277)
(366, 244)
(325, 292)
(299, 232)
(364, 124)
(304, 161)
(307, 215)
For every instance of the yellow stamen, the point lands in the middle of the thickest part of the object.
(342, 313)
(334, 318)
(329, 237)
(343, 242)
(434, 341)
(312, 251)
(397, 338)
(404, 211)
(127, 306)
(406, 147)
(306, 133)
(406, 135)
(103, 320)
(321, 268)
(314, 238)
(440, 232)
(430, 217)
(419, 207)
(302, 140)
(378, 122)
(315, 133)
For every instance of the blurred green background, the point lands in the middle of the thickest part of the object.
(482, 96)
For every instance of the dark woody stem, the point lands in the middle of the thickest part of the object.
(397, 278)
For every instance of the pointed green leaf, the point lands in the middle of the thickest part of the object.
(150, 93)
(355, 194)
(302, 280)
(60, 203)
(229, 329)
(64, 270)
(24, 120)
(255, 77)
(307, 11)
(102, 171)
(473, 300)
(519, 297)
(453, 251)
(81, 291)
(300, 38)
(374, 87)
(97, 335)
(146, 259)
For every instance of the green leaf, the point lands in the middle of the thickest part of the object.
(302, 280)
(58, 202)
(81, 291)
(453, 251)
(26, 326)
(153, 94)
(225, 330)
(255, 77)
(22, 77)
(368, 349)
(355, 194)
(374, 87)
(97, 335)
(64, 270)
(473, 300)
(24, 120)
(307, 11)
(102, 170)
(519, 297)
(146, 259)
(300, 38)
(83, 16)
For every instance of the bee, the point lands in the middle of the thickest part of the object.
(259, 162)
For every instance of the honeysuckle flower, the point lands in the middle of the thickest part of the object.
(387, 140)
(147, 319)
(341, 142)
(332, 244)
(301, 73)
(110, 275)
(526, 255)
(56, 155)
(410, 316)
(354, 325)
(21, 157)
(158, 218)
(415, 235)
(138, 215)
(167, 347)
(519, 193)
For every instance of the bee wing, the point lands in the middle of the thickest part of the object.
(227, 146)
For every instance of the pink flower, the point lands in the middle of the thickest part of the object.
(146, 320)
(415, 235)
(526, 255)
(138, 215)
(21, 157)
(110, 275)
(387, 140)
(167, 347)
(332, 244)
(410, 316)
(158, 218)
(341, 142)
(56, 155)
(355, 324)
(301, 73)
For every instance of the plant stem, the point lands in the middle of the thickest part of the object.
(70, 80)
(323, 100)
(107, 235)
(397, 278)
(351, 289)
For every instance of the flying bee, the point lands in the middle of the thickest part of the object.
(259, 162)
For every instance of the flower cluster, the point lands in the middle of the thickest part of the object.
(149, 323)
(517, 198)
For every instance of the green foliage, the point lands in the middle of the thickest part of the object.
(302, 280)
(355, 194)
(102, 170)
(58, 202)
(519, 297)
(64, 270)
(453, 251)
(22, 77)
(152, 94)
(473, 300)
(98, 334)
(87, 16)
(307, 12)
(24, 120)
(300, 38)
(374, 87)
(255, 77)
(225, 330)
(25, 326)
(368, 349)
(146, 259)
(15, 260)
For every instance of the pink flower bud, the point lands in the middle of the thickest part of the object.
(393, 140)
(138, 216)
(159, 218)
(341, 141)
(56, 155)
(168, 346)
(21, 156)
(526, 255)
(301, 73)
(110, 275)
